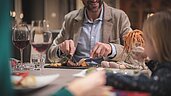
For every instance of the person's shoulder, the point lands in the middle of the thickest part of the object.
(73, 13)
(114, 11)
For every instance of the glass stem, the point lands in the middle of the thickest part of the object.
(41, 60)
(21, 55)
(41, 57)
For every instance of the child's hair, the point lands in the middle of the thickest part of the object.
(157, 30)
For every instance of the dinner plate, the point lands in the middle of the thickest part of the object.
(66, 67)
(40, 81)
(122, 71)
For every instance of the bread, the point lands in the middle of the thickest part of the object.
(29, 81)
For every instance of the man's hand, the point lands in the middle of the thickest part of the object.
(101, 50)
(67, 47)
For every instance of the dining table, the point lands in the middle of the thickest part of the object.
(66, 75)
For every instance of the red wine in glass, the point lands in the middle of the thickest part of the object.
(41, 38)
(20, 38)
(41, 47)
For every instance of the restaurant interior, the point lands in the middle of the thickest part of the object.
(54, 11)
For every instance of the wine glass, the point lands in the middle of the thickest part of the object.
(41, 39)
(20, 38)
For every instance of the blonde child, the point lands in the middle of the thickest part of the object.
(157, 32)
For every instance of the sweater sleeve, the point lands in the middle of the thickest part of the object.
(158, 85)
(63, 92)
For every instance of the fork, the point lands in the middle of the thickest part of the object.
(71, 57)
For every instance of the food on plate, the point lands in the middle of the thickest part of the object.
(29, 81)
(83, 63)
(56, 65)
(93, 69)
(23, 79)
(90, 70)
(68, 60)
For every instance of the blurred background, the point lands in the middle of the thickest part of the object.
(54, 11)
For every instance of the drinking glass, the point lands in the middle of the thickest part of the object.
(41, 39)
(20, 38)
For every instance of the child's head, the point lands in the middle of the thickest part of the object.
(157, 35)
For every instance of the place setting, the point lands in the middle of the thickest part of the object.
(25, 81)
(40, 39)
(68, 62)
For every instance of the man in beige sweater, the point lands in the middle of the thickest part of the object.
(94, 32)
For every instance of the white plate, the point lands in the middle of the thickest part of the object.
(122, 71)
(41, 81)
(83, 73)
(80, 74)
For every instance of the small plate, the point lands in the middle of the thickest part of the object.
(41, 81)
